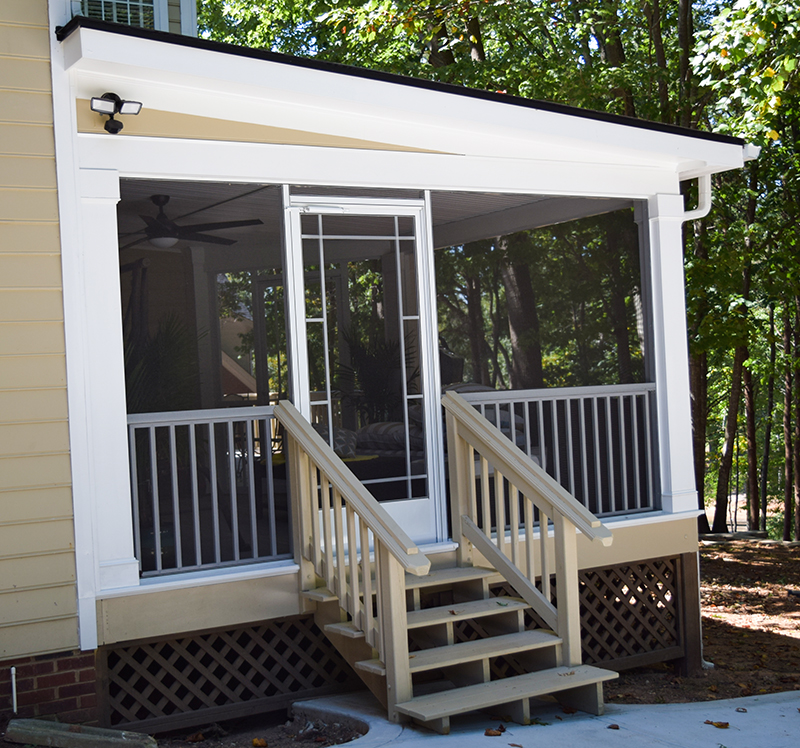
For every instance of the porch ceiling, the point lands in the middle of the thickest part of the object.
(458, 217)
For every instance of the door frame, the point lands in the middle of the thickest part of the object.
(425, 520)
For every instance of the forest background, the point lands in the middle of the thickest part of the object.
(729, 67)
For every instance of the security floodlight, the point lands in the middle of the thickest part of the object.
(111, 104)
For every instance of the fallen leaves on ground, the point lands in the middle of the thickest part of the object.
(720, 725)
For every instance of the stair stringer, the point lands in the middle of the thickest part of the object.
(352, 649)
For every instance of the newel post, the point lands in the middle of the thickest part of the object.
(567, 595)
(394, 636)
(302, 513)
(458, 456)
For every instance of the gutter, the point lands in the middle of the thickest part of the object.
(750, 152)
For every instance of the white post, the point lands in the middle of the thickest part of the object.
(670, 354)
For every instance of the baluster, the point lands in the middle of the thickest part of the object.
(499, 511)
(598, 475)
(623, 450)
(528, 510)
(155, 498)
(513, 522)
(568, 446)
(544, 554)
(176, 509)
(326, 488)
(485, 499)
(649, 448)
(377, 632)
(137, 528)
(612, 483)
(635, 439)
(316, 503)
(251, 485)
(366, 578)
(212, 456)
(341, 561)
(234, 501)
(584, 463)
(354, 602)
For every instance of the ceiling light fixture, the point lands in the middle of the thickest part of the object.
(111, 104)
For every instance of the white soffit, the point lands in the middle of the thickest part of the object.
(189, 80)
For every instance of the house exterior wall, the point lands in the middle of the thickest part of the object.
(37, 566)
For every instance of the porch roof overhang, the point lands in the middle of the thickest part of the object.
(354, 108)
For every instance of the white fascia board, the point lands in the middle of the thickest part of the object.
(256, 163)
(208, 83)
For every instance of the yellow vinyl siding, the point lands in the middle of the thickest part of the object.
(27, 140)
(27, 171)
(35, 568)
(48, 501)
(37, 565)
(38, 603)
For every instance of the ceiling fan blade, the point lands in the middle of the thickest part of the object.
(207, 238)
(195, 227)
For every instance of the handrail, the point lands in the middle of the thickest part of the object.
(377, 519)
(526, 475)
(557, 393)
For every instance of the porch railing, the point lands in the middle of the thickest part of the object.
(502, 504)
(597, 442)
(338, 523)
(204, 492)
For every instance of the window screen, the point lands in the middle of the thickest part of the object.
(131, 12)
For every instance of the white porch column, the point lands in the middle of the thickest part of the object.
(670, 353)
(104, 450)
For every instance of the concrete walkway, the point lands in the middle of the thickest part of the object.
(769, 721)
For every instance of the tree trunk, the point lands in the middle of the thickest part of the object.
(768, 426)
(685, 42)
(752, 456)
(787, 423)
(523, 321)
(698, 373)
(477, 341)
(726, 461)
(476, 50)
(796, 446)
(618, 242)
(652, 12)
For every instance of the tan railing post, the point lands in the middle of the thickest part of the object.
(458, 455)
(302, 511)
(567, 593)
(392, 601)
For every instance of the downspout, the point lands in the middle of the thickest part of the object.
(703, 199)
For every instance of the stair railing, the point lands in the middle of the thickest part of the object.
(502, 504)
(336, 522)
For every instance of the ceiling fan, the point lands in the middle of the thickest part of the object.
(162, 232)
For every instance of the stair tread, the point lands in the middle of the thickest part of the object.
(493, 646)
(465, 610)
(347, 629)
(455, 654)
(320, 595)
(450, 575)
(482, 695)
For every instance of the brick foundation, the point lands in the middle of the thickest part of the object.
(61, 685)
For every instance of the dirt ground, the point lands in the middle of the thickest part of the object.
(751, 629)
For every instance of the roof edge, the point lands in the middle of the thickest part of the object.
(78, 22)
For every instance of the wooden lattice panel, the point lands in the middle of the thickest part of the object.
(208, 676)
(627, 611)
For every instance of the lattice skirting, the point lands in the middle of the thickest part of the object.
(631, 615)
(205, 677)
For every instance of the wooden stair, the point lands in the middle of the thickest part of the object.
(461, 671)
